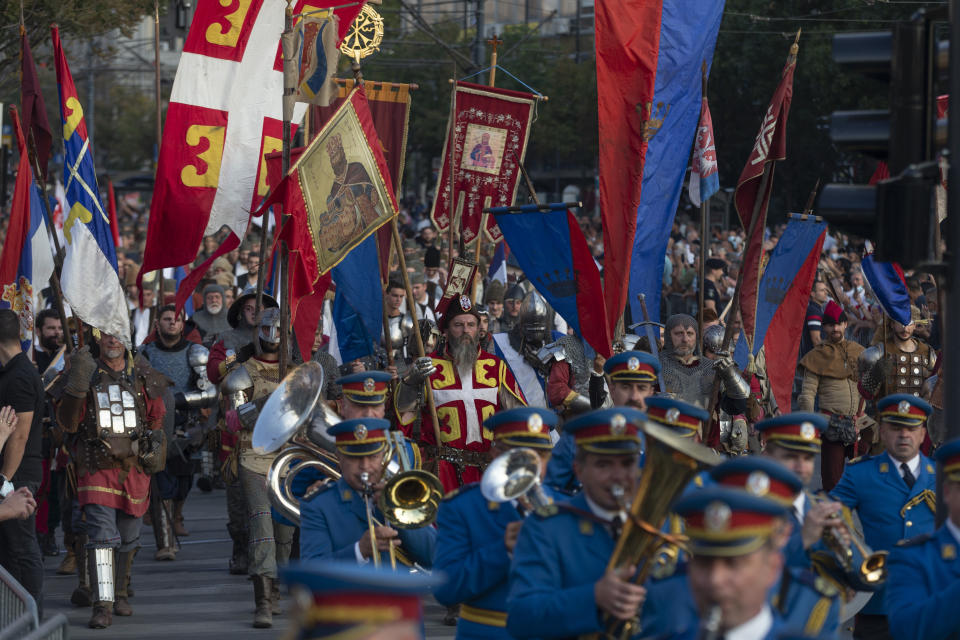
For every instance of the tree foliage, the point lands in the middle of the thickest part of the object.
(77, 19)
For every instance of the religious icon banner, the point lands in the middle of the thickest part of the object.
(486, 142)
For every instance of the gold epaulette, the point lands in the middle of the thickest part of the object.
(547, 511)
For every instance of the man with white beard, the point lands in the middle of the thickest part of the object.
(469, 385)
(212, 318)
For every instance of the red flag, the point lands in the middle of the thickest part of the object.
(627, 40)
(770, 146)
(19, 227)
(112, 210)
(34, 111)
(488, 134)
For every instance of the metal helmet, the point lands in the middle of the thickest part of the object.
(534, 317)
(197, 355)
(713, 338)
(628, 342)
(430, 334)
(270, 326)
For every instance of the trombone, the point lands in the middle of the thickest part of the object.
(515, 475)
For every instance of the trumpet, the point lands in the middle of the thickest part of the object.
(861, 567)
(515, 475)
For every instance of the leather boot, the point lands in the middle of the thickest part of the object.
(82, 596)
(69, 563)
(275, 599)
(102, 615)
(163, 531)
(238, 559)
(262, 588)
(123, 565)
(178, 527)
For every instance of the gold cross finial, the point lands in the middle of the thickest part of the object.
(495, 42)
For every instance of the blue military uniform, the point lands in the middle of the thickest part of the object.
(801, 600)
(923, 587)
(333, 521)
(349, 601)
(470, 546)
(628, 366)
(564, 549)
(724, 522)
(889, 510)
(559, 556)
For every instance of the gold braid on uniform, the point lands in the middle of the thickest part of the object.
(927, 496)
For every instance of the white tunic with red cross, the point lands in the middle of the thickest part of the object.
(464, 399)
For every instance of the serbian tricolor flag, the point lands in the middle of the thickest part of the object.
(704, 174)
(784, 293)
(89, 280)
(769, 147)
(26, 263)
(554, 255)
(649, 59)
(890, 286)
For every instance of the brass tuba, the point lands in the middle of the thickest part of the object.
(670, 464)
(294, 420)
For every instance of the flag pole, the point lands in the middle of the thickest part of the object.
(478, 278)
(158, 301)
(282, 270)
(55, 288)
(704, 210)
(451, 223)
(408, 290)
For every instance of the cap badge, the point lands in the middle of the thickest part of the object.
(618, 424)
(904, 406)
(360, 432)
(758, 483)
(369, 385)
(534, 423)
(717, 516)
(807, 431)
(633, 363)
(465, 303)
(673, 414)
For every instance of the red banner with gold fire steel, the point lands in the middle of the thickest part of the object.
(486, 142)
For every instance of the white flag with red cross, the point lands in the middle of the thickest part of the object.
(225, 115)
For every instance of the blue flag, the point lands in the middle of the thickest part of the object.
(358, 303)
(889, 285)
(551, 250)
(687, 39)
(783, 272)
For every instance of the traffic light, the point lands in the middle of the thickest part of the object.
(898, 213)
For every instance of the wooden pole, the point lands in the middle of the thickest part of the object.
(478, 249)
(452, 223)
(55, 287)
(158, 301)
(421, 352)
(704, 211)
(282, 270)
